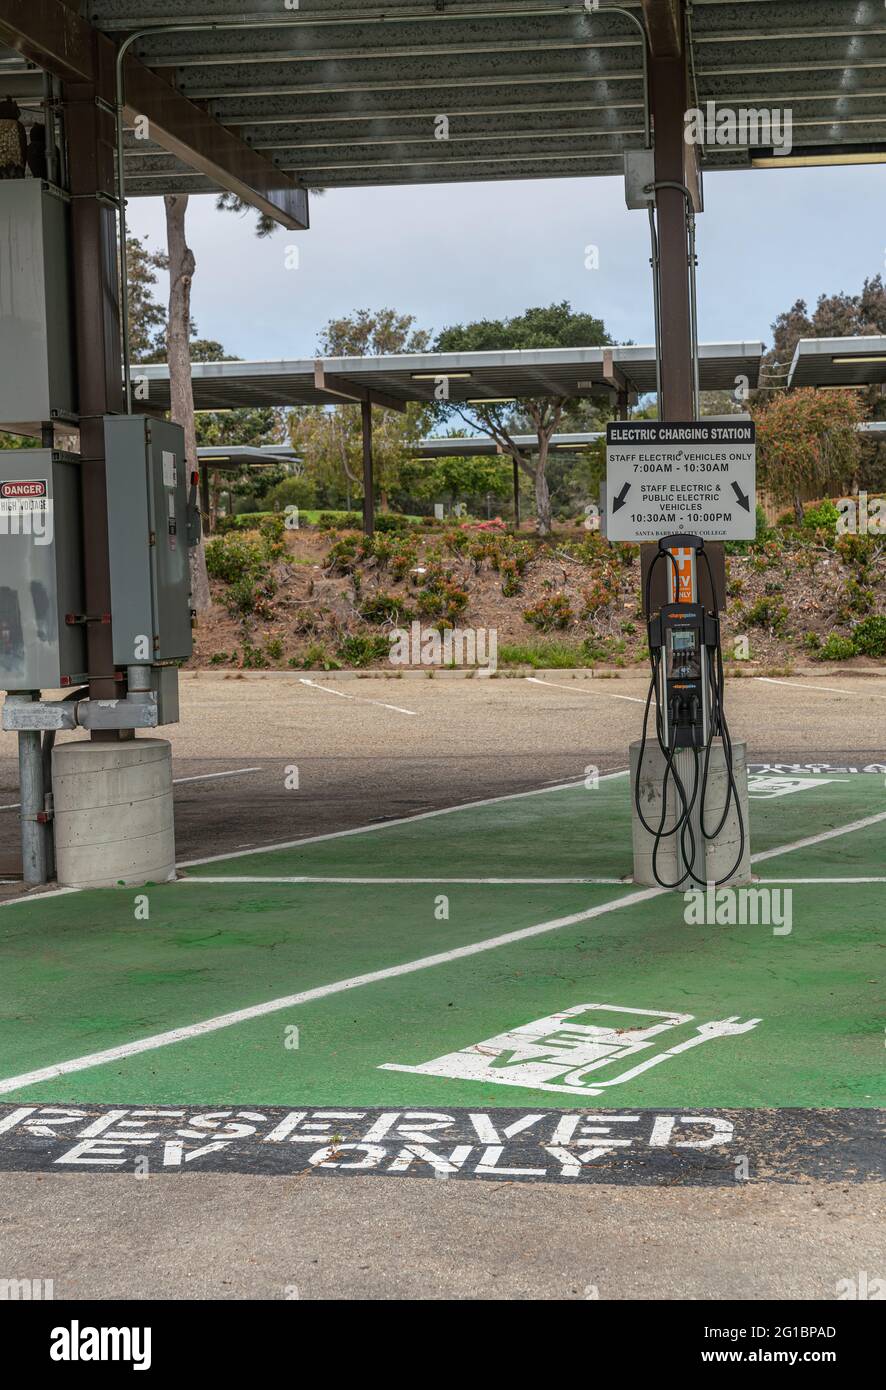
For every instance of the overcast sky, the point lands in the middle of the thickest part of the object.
(448, 254)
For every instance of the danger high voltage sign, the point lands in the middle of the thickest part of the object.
(665, 478)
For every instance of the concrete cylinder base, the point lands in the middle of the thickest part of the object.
(113, 813)
(714, 858)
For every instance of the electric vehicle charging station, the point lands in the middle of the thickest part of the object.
(689, 780)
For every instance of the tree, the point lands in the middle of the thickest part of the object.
(808, 444)
(457, 477)
(178, 338)
(835, 316)
(147, 317)
(330, 439)
(553, 327)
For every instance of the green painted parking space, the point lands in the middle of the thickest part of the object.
(473, 1006)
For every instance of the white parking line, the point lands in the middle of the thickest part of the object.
(361, 699)
(201, 777)
(829, 689)
(289, 1001)
(309, 878)
(573, 690)
(821, 880)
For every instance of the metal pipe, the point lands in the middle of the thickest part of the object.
(656, 304)
(35, 866)
(693, 306)
(64, 181)
(628, 14)
(49, 131)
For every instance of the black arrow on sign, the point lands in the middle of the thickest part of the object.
(619, 501)
(743, 499)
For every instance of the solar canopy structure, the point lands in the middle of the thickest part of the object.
(839, 362)
(393, 381)
(341, 94)
(469, 446)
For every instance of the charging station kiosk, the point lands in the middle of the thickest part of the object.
(681, 485)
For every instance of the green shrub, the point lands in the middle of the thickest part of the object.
(339, 521)
(552, 612)
(821, 516)
(837, 648)
(391, 521)
(254, 658)
(316, 658)
(343, 554)
(233, 557)
(767, 613)
(385, 608)
(361, 650)
(869, 636)
(292, 492)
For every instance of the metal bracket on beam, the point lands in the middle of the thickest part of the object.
(336, 385)
(614, 376)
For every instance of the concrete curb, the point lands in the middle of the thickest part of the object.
(519, 673)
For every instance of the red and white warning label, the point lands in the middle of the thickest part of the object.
(23, 495)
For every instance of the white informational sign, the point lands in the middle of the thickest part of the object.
(666, 479)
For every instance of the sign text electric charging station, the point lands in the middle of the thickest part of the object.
(664, 478)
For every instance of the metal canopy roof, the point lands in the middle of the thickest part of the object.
(437, 448)
(342, 93)
(232, 457)
(839, 362)
(395, 380)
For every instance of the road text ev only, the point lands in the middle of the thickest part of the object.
(497, 1143)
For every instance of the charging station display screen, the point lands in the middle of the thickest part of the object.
(683, 655)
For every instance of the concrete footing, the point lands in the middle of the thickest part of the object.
(713, 858)
(113, 813)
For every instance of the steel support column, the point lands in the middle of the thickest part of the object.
(669, 95)
(90, 131)
(368, 481)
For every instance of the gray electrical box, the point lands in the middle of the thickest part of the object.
(40, 571)
(37, 381)
(149, 491)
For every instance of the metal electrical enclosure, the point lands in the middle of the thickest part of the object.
(148, 529)
(40, 570)
(37, 382)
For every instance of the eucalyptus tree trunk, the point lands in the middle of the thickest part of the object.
(178, 348)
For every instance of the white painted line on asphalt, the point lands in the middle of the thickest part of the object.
(200, 777)
(309, 878)
(399, 820)
(820, 880)
(208, 776)
(606, 694)
(213, 1025)
(361, 699)
(829, 689)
